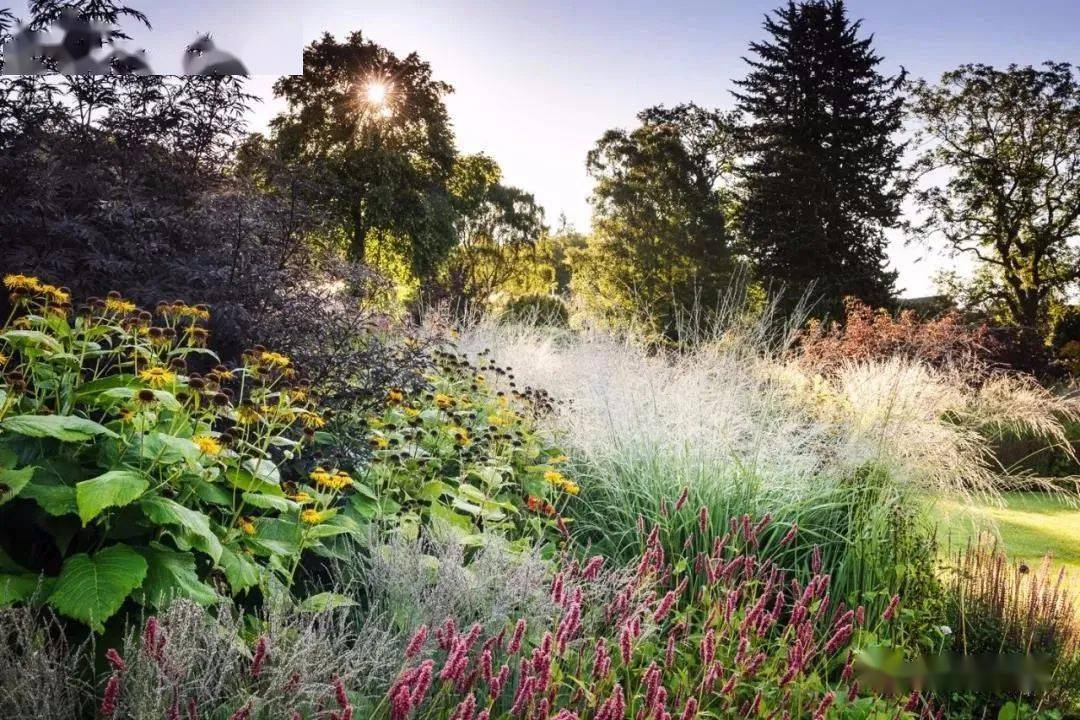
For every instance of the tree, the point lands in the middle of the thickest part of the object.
(497, 228)
(378, 124)
(660, 243)
(1008, 145)
(820, 186)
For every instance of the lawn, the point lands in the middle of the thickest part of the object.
(1029, 525)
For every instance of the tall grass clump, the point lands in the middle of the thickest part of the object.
(848, 456)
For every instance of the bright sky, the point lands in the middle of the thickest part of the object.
(536, 83)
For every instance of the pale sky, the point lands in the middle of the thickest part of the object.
(537, 83)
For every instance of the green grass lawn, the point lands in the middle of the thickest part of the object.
(1029, 525)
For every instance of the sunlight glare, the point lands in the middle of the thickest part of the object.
(376, 92)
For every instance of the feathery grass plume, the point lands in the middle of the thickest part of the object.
(200, 660)
(41, 674)
(849, 457)
(425, 581)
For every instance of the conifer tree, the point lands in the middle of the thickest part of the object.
(820, 186)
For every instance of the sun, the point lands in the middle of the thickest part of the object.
(377, 92)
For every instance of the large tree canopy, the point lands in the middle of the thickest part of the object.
(660, 241)
(1006, 145)
(377, 124)
(497, 227)
(818, 188)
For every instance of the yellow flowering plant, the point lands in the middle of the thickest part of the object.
(461, 457)
(145, 468)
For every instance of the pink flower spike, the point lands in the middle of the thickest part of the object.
(416, 642)
(664, 606)
(261, 650)
(111, 698)
(515, 640)
(683, 497)
(115, 660)
(890, 612)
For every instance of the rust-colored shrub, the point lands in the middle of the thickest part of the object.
(869, 334)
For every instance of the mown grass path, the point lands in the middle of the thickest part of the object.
(1029, 525)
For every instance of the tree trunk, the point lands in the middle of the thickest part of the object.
(358, 249)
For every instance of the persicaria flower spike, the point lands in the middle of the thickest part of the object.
(416, 642)
(890, 611)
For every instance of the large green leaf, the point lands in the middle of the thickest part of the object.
(17, 588)
(68, 428)
(241, 572)
(16, 583)
(115, 488)
(94, 387)
(169, 512)
(270, 502)
(274, 537)
(13, 481)
(92, 589)
(244, 480)
(168, 449)
(32, 338)
(54, 499)
(169, 575)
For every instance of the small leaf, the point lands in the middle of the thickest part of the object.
(92, 589)
(326, 601)
(68, 428)
(115, 488)
(13, 481)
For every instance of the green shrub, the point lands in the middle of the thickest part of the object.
(460, 458)
(127, 474)
(538, 310)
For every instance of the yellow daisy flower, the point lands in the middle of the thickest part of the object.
(209, 445)
(302, 497)
(395, 397)
(313, 420)
(274, 359)
(332, 481)
(157, 377)
(55, 294)
(22, 282)
(247, 414)
(119, 305)
(553, 477)
(311, 517)
(444, 401)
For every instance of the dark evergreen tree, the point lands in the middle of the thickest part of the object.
(821, 183)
